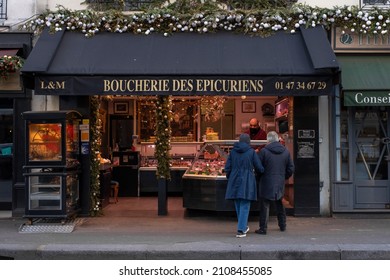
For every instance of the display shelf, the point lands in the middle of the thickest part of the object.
(52, 164)
(180, 162)
(281, 108)
(45, 196)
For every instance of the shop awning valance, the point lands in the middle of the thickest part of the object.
(8, 52)
(365, 80)
(67, 63)
(365, 73)
(11, 44)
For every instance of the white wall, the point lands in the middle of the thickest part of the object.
(330, 3)
(17, 15)
(324, 154)
(19, 11)
(45, 103)
(52, 4)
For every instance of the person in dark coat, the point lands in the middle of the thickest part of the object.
(278, 167)
(240, 168)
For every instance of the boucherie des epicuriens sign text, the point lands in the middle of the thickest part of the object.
(256, 86)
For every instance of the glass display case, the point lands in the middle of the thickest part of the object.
(52, 163)
(205, 182)
(210, 160)
(182, 154)
(52, 137)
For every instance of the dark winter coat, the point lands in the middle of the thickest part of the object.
(278, 167)
(240, 171)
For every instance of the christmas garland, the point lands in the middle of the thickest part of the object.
(208, 18)
(163, 136)
(95, 127)
(9, 64)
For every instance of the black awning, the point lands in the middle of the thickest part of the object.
(15, 43)
(185, 63)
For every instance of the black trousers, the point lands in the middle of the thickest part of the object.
(264, 213)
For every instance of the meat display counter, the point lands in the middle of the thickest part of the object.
(205, 182)
(183, 154)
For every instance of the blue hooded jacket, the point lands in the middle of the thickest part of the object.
(240, 171)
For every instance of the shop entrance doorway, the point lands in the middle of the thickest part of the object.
(371, 154)
(6, 154)
(121, 131)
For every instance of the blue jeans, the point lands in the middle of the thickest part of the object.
(242, 209)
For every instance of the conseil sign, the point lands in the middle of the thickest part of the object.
(367, 98)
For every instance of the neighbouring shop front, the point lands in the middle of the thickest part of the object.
(362, 175)
(281, 79)
(14, 99)
(361, 131)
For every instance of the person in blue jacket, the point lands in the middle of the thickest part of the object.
(240, 168)
(278, 167)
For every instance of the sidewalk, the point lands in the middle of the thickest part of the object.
(128, 232)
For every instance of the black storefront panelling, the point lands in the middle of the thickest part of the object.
(307, 174)
(22, 41)
(83, 107)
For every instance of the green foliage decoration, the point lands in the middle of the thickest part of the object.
(9, 64)
(210, 17)
(163, 136)
(95, 127)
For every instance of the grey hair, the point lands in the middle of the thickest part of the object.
(272, 136)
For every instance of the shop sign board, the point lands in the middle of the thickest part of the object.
(11, 82)
(355, 42)
(367, 98)
(205, 85)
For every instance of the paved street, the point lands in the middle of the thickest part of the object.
(132, 229)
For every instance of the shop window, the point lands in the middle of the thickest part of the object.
(3, 9)
(343, 147)
(6, 125)
(220, 126)
(370, 143)
(136, 5)
(342, 156)
(183, 122)
(370, 4)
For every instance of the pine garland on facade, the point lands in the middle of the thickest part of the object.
(213, 18)
(95, 143)
(163, 136)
